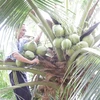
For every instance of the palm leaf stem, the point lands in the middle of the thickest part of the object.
(81, 24)
(34, 71)
(53, 85)
(7, 63)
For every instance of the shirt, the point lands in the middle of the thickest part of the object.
(15, 46)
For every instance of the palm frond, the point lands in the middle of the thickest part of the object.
(35, 71)
(89, 31)
(91, 11)
(51, 84)
(84, 81)
(13, 13)
(55, 10)
(82, 74)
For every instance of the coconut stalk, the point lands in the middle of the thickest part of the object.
(84, 16)
(51, 36)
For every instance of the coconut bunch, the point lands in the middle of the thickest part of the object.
(30, 51)
(70, 42)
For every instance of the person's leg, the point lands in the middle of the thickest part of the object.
(24, 92)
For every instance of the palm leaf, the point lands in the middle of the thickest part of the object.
(84, 80)
(91, 11)
(89, 31)
(55, 12)
(51, 84)
(9, 67)
(14, 12)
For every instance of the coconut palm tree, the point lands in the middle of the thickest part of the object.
(73, 72)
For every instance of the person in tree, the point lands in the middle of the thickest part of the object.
(16, 47)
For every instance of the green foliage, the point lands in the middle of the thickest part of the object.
(4, 83)
(79, 73)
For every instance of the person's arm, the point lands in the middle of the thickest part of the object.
(15, 55)
(33, 12)
(19, 57)
(37, 39)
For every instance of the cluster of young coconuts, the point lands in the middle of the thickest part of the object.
(70, 42)
(30, 51)
(65, 41)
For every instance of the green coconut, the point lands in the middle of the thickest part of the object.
(74, 47)
(89, 39)
(74, 38)
(58, 30)
(19, 63)
(81, 44)
(31, 46)
(29, 55)
(41, 50)
(66, 44)
(70, 52)
(57, 42)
